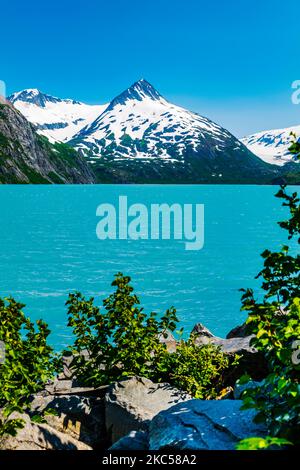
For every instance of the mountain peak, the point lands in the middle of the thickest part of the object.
(30, 95)
(139, 91)
(145, 89)
(24, 95)
(37, 97)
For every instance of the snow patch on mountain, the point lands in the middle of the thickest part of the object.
(273, 146)
(141, 124)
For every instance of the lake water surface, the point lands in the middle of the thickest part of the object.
(48, 248)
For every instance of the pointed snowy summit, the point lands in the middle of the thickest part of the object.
(139, 91)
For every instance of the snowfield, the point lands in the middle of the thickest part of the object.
(272, 146)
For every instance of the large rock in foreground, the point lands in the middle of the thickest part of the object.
(40, 437)
(132, 403)
(203, 425)
(80, 417)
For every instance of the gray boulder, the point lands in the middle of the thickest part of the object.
(236, 345)
(132, 403)
(80, 417)
(40, 437)
(203, 425)
(72, 387)
(200, 330)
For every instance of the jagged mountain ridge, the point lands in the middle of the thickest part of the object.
(58, 119)
(26, 157)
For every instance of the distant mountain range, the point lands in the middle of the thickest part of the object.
(140, 137)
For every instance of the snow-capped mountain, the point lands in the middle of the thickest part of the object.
(58, 119)
(141, 137)
(140, 126)
(140, 123)
(273, 146)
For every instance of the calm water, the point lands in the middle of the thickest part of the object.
(48, 247)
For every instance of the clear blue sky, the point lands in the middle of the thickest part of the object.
(233, 61)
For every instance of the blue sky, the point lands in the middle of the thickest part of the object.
(233, 61)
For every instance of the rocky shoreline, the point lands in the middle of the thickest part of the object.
(137, 414)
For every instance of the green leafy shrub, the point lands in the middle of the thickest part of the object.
(123, 341)
(196, 369)
(275, 322)
(120, 341)
(28, 363)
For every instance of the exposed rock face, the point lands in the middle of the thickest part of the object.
(202, 425)
(26, 157)
(40, 437)
(132, 403)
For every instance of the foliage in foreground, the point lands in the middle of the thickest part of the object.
(199, 370)
(275, 322)
(121, 340)
(27, 366)
(262, 443)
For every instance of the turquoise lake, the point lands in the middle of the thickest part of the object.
(49, 247)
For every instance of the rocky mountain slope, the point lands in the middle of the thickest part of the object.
(26, 157)
(140, 137)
